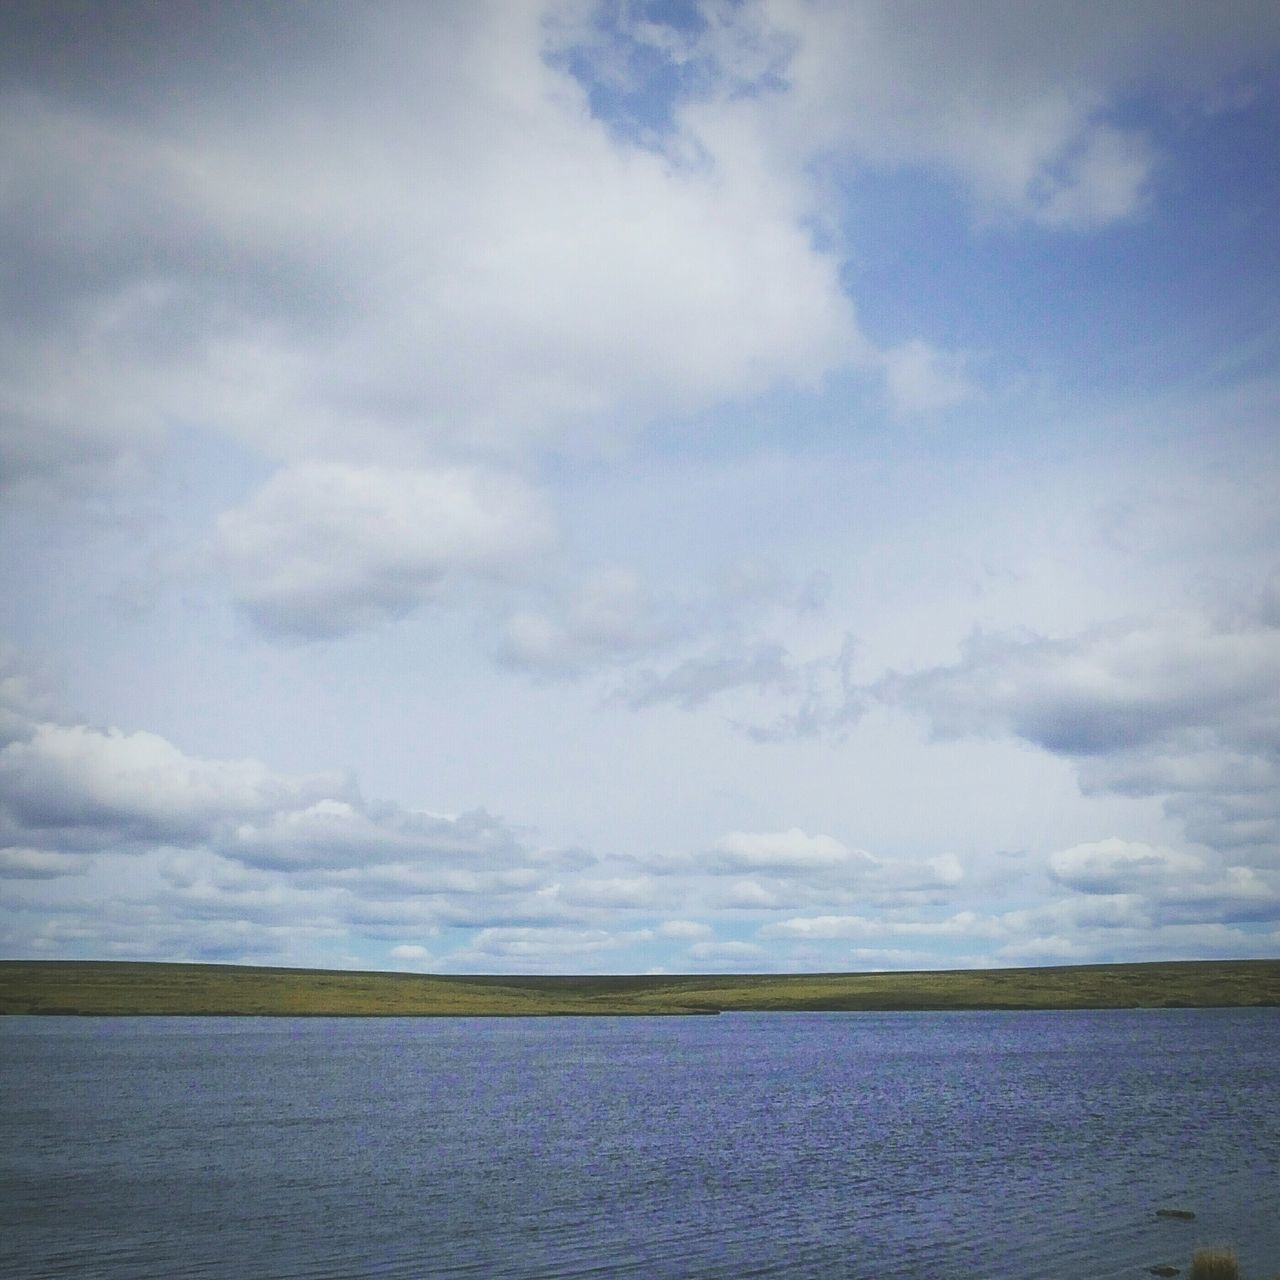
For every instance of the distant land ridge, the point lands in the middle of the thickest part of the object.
(110, 987)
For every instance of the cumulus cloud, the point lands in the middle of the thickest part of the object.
(1239, 894)
(1181, 706)
(324, 548)
(964, 924)
(404, 231)
(729, 955)
(537, 950)
(1129, 884)
(409, 951)
(1017, 101)
(784, 851)
(68, 790)
(411, 956)
(614, 892)
(40, 864)
(1118, 866)
(352, 833)
(1119, 687)
(80, 784)
(684, 930)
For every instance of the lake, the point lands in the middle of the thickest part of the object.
(919, 1146)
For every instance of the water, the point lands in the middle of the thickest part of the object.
(960, 1146)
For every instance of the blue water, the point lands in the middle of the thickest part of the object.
(973, 1146)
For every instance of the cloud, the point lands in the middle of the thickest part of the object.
(1119, 687)
(964, 924)
(352, 833)
(615, 892)
(67, 789)
(729, 955)
(537, 950)
(919, 379)
(757, 895)
(1129, 884)
(1018, 102)
(783, 851)
(1238, 895)
(691, 683)
(21, 704)
(1118, 866)
(1103, 179)
(1224, 796)
(1221, 909)
(684, 930)
(1182, 706)
(609, 616)
(40, 864)
(324, 549)
(411, 956)
(887, 959)
(74, 783)
(404, 233)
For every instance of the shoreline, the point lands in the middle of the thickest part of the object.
(92, 988)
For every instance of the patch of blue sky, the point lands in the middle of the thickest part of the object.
(631, 62)
(1183, 288)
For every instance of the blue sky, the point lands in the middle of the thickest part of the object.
(573, 487)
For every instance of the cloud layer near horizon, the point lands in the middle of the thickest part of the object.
(812, 473)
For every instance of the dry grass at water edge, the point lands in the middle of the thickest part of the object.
(1217, 1263)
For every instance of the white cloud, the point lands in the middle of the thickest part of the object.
(692, 682)
(615, 892)
(1014, 100)
(1104, 181)
(40, 864)
(786, 851)
(608, 616)
(536, 950)
(323, 548)
(684, 930)
(1238, 895)
(946, 868)
(964, 924)
(469, 260)
(887, 959)
(1131, 885)
(404, 290)
(410, 235)
(412, 956)
(753, 895)
(1118, 866)
(351, 833)
(729, 955)
(920, 379)
(417, 238)
(64, 779)
(1051, 949)
(1182, 706)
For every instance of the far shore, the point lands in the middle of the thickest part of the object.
(126, 988)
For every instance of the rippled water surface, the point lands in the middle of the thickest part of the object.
(1003, 1146)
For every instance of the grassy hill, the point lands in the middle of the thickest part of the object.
(113, 987)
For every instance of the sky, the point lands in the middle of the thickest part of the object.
(633, 487)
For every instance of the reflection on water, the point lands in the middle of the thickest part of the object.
(1009, 1146)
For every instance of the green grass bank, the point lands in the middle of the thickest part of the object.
(119, 987)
